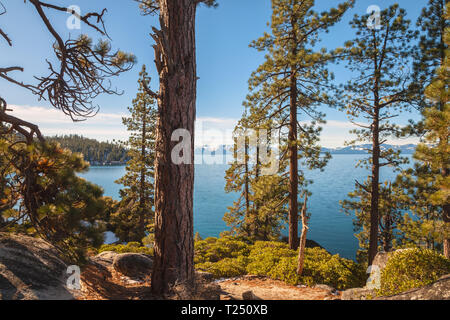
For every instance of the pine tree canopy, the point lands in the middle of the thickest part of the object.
(134, 218)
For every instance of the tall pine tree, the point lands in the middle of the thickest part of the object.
(136, 214)
(432, 46)
(425, 182)
(435, 152)
(175, 59)
(290, 83)
(377, 93)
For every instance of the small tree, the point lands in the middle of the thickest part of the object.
(260, 211)
(135, 215)
(41, 195)
(391, 204)
(423, 225)
(237, 179)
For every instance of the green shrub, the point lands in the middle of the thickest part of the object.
(215, 250)
(230, 257)
(412, 268)
(285, 270)
(340, 273)
(225, 268)
(278, 262)
(131, 247)
(265, 256)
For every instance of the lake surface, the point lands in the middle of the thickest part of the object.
(330, 227)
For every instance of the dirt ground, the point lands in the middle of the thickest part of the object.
(104, 283)
(267, 289)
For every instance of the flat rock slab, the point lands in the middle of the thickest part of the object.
(30, 269)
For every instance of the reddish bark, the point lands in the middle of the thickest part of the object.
(293, 167)
(174, 184)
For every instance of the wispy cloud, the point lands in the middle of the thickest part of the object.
(209, 130)
(335, 133)
(49, 115)
(104, 126)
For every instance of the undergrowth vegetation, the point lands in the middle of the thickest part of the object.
(131, 247)
(230, 257)
(412, 268)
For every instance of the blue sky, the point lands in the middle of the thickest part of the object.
(225, 61)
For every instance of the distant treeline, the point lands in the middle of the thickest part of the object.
(95, 152)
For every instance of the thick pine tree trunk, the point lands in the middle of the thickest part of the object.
(257, 227)
(446, 218)
(375, 192)
(376, 153)
(447, 240)
(174, 184)
(445, 171)
(293, 167)
(247, 189)
(387, 233)
(374, 214)
(257, 163)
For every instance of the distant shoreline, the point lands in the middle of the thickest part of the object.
(107, 164)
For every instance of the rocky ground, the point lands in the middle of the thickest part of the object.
(102, 281)
(30, 269)
(99, 283)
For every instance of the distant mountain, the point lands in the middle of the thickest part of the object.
(112, 153)
(362, 149)
(213, 150)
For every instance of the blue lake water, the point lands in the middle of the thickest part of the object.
(328, 225)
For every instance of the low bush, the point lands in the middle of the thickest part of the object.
(412, 268)
(340, 273)
(225, 268)
(131, 247)
(286, 270)
(276, 261)
(217, 249)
